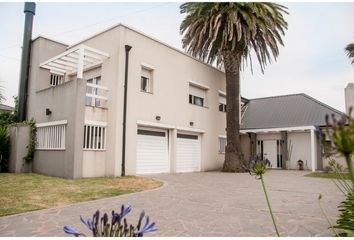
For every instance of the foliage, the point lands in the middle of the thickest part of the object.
(4, 148)
(33, 141)
(342, 138)
(350, 51)
(345, 221)
(117, 227)
(211, 28)
(7, 118)
(257, 167)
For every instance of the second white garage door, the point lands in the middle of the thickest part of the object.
(152, 152)
(187, 153)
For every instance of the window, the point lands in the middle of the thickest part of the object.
(279, 155)
(197, 95)
(146, 80)
(94, 136)
(222, 103)
(260, 148)
(92, 91)
(56, 79)
(222, 144)
(51, 135)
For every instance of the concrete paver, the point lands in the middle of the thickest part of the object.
(204, 204)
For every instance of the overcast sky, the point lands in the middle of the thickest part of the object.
(313, 60)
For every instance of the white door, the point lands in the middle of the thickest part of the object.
(152, 152)
(270, 151)
(187, 153)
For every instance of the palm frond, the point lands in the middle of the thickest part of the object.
(211, 28)
(350, 51)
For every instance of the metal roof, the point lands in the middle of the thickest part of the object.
(286, 111)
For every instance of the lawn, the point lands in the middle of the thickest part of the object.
(29, 191)
(327, 175)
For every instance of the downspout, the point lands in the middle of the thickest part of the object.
(30, 11)
(127, 49)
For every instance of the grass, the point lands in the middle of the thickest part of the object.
(329, 175)
(25, 192)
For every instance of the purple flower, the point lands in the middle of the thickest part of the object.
(124, 211)
(89, 223)
(147, 228)
(257, 166)
(72, 231)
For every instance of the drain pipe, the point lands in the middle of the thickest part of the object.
(127, 49)
(30, 11)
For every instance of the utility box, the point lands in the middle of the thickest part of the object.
(19, 140)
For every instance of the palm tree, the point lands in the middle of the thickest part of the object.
(350, 51)
(224, 33)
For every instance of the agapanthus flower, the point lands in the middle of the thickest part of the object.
(147, 228)
(72, 231)
(257, 166)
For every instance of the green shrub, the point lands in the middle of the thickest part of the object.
(4, 148)
(345, 221)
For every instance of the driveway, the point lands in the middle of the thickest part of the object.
(204, 204)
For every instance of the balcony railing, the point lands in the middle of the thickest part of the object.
(96, 95)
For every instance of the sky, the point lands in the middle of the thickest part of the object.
(313, 60)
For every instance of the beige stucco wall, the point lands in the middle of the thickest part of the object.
(67, 102)
(173, 71)
(301, 149)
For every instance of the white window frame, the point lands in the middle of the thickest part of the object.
(56, 79)
(194, 96)
(221, 151)
(96, 141)
(51, 135)
(222, 103)
(148, 77)
(92, 98)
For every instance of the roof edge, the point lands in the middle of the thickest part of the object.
(148, 36)
(50, 39)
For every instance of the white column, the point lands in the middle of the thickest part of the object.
(80, 63)
(313, 150)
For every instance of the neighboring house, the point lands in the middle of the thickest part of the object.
(175, 117)
(6, 108)
(282, 127)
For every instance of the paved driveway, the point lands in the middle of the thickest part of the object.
(204, 204)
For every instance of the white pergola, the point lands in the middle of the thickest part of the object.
(75, 60)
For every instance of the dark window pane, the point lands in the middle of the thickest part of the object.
(144, 82)
(190, 98)
(221, 107)
(179, 135)
(198, 101)
(151, 133)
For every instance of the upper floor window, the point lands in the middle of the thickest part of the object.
(56, 79)
(146, 80)
(92, 91)
(222, 103)
(197, 95)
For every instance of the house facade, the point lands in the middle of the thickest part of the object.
(169, 117)
(175, 107)
(286, 129)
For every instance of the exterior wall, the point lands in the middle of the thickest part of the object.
(246, 147)
(66, 102)
(301, 149)
(19, 140)
(169, 99)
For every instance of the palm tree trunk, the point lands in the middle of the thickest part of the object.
(233, 156)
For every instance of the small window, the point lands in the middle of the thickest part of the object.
(56, 79)
(92, 91)
(197, 96)
(222, 103)
(94, 137)
(222, 144)
(51, 137)
(146, 80)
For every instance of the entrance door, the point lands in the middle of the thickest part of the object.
(270, 152)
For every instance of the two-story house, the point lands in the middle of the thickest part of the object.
(175, 107)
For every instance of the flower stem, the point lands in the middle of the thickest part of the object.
(350, 167)
(324, 214)
(270, 208)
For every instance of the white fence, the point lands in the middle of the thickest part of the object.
(51, 135)
(95, 135)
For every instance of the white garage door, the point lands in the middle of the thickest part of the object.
(152, 152)
(187, 153)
